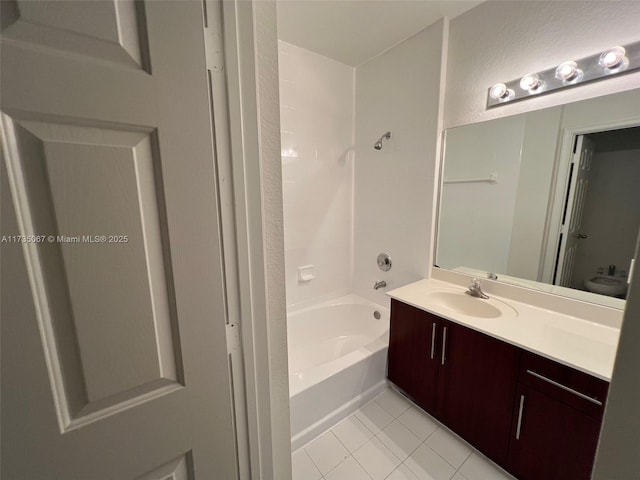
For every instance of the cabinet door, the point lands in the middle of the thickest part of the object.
(413, 361)
(550, 439)
(476, 388)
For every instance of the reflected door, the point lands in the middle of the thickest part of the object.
(570, 233)
(114, 359)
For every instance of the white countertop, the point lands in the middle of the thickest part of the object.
(584, 345)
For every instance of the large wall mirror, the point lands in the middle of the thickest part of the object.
(548, 199)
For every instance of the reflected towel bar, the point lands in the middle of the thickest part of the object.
(493, 179)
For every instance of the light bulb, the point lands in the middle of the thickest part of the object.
(614, 59)
(569, 72)
(531, 82)
(497, 91)
(500, 92)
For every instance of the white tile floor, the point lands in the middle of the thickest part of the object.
(391, 439)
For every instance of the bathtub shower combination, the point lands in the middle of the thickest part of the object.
(337, 362)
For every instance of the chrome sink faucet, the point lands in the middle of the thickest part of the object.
(475, 290)
(380, 284)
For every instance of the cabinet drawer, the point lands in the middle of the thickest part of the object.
(577, 389)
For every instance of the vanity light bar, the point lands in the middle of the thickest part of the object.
(612, 61)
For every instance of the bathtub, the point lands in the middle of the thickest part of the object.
(337, 362)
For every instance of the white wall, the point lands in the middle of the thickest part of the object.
(499, 41)
(316, 114)
(613, 187)
(617, 456)
(394, 187)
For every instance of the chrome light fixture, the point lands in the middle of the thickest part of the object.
(612, 61)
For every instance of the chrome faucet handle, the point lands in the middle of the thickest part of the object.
(475, 290)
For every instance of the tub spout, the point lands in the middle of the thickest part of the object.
(380, 284)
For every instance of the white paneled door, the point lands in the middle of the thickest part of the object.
(114, 358)
(570, 233)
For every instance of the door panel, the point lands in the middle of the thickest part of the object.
(114, 358)
(177, 469)
(80, 183)
(108, 30)
(556, 442)
(411, 367)
(476, 389)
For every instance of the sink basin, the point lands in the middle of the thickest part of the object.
(463, 304)
(606, 285)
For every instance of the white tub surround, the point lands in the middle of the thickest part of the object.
(337, 362)
(316, 133)
(583, 344)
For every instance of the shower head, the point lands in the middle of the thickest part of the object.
(378, 144)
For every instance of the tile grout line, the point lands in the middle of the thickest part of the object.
(345, 447)
(312, 461)
(448, 463)
(362, 466)
(402, 462)
(374, 435)
(464, 461)
(440, 425)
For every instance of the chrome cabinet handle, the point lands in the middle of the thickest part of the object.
(564, 387)
(444, 344)
(433, 340)
(519, 426)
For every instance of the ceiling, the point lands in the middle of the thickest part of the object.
(354, 31)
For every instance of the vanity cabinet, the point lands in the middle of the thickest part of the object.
(532, 416)
(556, 421)
(476, 388)
(462, 377)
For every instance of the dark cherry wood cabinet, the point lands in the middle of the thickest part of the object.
(414, 368)
(532, 416)
(476, 388)
(462, 377)
(555, 441)
(557, 421)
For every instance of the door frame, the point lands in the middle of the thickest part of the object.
(614, 112)
(248, 135)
